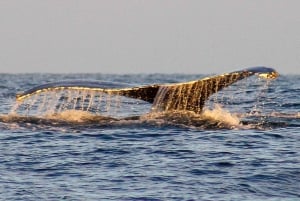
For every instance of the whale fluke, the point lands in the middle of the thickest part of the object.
(179, 96)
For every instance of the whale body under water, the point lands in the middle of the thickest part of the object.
(185, 96)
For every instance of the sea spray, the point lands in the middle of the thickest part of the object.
(217, 117)
(71, 116)
(222, 115)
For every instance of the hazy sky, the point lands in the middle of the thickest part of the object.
(148, 36)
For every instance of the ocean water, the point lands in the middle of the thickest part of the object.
(245, 145)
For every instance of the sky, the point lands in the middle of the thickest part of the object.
(148, 36)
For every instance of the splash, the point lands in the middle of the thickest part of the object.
(214, 118)
(71, 116)
(222, 115)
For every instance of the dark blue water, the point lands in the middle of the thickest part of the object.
(155, 156)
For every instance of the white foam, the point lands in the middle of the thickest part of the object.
(71, 116)
(222, 115)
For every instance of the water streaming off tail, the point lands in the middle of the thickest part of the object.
(179, 97)
(189, 96)
(95, 102)
(250, 93)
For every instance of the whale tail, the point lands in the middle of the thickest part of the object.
(189, 96)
